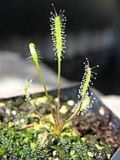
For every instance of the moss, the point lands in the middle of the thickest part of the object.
(26, 144)
(34, 139)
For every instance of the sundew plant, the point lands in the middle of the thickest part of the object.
(46, 127)
(57, 27)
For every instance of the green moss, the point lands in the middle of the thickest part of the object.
(2, 152)
(39, 141)
(26, 144)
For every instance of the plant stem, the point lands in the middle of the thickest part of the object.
(58, 91)
(41, 78)
(74, 113)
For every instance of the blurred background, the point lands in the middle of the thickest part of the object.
(93, 31)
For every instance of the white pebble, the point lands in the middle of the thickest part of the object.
(102, 111)
(54, 153)
(13, 112)
(70, 102)
(22, 120)
(7, 111)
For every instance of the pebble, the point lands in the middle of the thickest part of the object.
(102, 111)
(70, 102)
(22, 120)
(14, 112)
(54, 153)
(8, 112)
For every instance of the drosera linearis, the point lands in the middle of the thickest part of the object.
(35, 58)
(58, 37)
(85, 84)
(58, 24)
(83, 96)
(85, 80)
